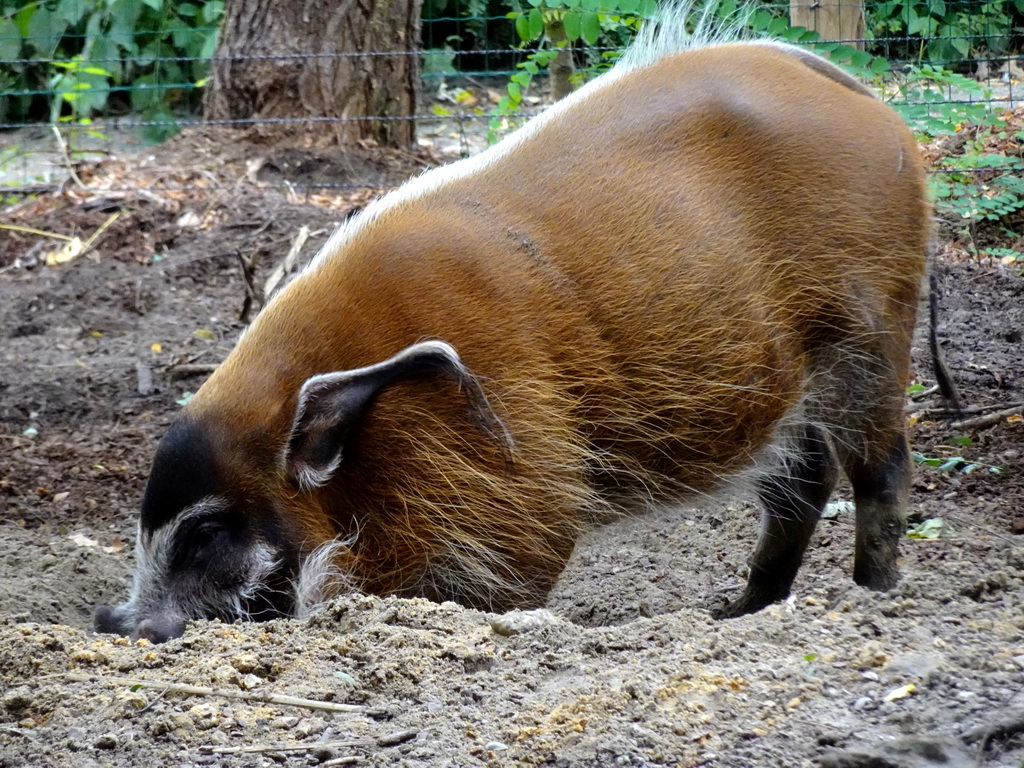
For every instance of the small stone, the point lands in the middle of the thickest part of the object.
(77, 738)
(106, 741)
(219, 738)
(870, 675)
(1019, 661)
(965, 695)
(246, 663)
(495, 746)
(250, 681)
(283, 723)
(517, 622)
(309, 726)
(862, 703)
(18, 699)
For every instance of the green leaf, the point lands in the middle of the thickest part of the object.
(628, 7)
(44, 32)
(572, 26)
(212, 12)
(861, 59)
(933, 528)
(590, 28)
(209, 46)
(880, 66)
(10, 40)
(515, 92)
(71, 11)
(921, 25)
(23, 18)
(523, 28)
(761, 20)
(842, 53)
(536, 24)
(156, 5)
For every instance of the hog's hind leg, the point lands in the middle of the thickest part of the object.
(793, 499)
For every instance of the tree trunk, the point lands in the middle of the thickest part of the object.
(289, 59)
(831, 19)
(562, 68)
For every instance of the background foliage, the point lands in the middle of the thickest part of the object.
(144, 62)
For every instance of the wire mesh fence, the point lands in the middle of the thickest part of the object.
(80, 76)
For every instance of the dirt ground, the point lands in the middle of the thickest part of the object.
(628, 668)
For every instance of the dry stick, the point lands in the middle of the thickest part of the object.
(190, 369)
(391, 740)
(199, 690)
(91, 242)
(287, 264)
(988, 419)
(970, 522)
(939, 411)
(67, 157)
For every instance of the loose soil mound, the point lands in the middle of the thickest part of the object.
(628, 669)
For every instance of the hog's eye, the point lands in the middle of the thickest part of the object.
(207, 540)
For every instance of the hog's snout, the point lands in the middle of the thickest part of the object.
(159, 629)
(156, 629)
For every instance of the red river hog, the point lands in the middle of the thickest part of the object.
(703, 265)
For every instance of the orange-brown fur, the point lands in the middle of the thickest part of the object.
(645, 287)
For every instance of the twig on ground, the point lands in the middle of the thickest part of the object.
(199, 690)
(89, 244)
(287, 264)
(67, 157)
(988, 419)
(248, 270)
(191, 369)
(941, 410)
(926, 393)
(391, 740)
(970, 521)
(40, 232)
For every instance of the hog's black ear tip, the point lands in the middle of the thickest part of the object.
(159, 630)
(106, 620)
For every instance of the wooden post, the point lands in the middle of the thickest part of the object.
(831, 19)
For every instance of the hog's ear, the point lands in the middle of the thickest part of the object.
(331, 404)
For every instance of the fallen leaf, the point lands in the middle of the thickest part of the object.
(901, 693)
(204, 333)
(82, 540)
(116, 547)
(70, 250)
(157, 349)
(189, 219)
(59, 497)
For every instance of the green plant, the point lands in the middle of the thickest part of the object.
(943, 30)
(550, 28)
(83, 57)
(921, 95)
(981, 186)
(953, 464)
